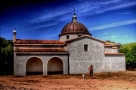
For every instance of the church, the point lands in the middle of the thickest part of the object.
(73, 53)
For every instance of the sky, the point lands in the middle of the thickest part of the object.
(113, 20)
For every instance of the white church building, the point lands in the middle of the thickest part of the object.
(73, 53)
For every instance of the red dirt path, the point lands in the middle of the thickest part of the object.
(100, 81)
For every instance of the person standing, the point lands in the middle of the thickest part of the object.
(91, 70)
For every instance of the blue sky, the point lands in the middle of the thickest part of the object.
(113, 20)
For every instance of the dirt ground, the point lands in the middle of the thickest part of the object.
(100, 81)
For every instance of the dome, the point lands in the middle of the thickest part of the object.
(74, 27)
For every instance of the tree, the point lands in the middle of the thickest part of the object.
(6, 54)
(134, 55)
(110, 41)
(130, 54)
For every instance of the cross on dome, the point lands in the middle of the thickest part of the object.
(74, 18)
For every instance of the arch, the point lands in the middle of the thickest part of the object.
(55, 66)
(34, 66)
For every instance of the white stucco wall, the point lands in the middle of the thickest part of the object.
(64, 37)
(108, 49)
(114, 63)
(20, 62)
(79, 60)
(111, 50)
(71, 36)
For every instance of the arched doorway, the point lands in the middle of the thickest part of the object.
(55, 66)
(34, 66)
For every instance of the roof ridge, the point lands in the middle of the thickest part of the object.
(30, 41)
(85, 36)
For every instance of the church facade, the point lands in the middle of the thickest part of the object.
(73, 53)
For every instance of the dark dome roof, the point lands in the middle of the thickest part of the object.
(74, 27)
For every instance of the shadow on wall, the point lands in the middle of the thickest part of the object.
(34, 66)
(55, 66)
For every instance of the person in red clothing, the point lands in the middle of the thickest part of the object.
(91, 70)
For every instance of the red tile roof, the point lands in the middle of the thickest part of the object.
(110, 44)
(40, 50)
(20, 41)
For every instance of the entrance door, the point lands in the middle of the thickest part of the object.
(55, 66)
(34, 66)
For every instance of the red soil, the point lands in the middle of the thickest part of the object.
(100, 81)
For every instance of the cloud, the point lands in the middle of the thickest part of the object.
(125, 36)
(43, 24)
(83, 7)
(105, 33)
(110, 37)
(126, 13)
(114, 36)
(50, 17)
(51, 14)
(118, 5)
(112, 25)
(95, 7)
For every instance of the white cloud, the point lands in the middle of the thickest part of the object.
(114, 36)
(112, 25)
(87, 7)
(119, 5)
(111, 37)
(105, 33)
(125, 36)
(96, 7)
(126, 13)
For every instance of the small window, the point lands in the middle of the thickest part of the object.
(67, 36)
(79, 35)
(85, 47)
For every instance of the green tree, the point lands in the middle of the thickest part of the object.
(6, 54)
(134, 55)
(110, 41)
(130, 53)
